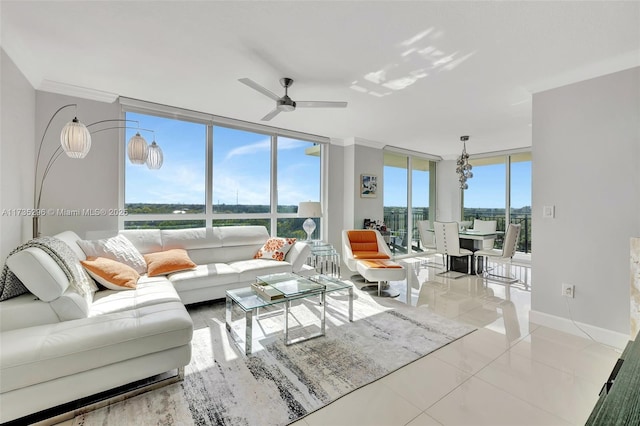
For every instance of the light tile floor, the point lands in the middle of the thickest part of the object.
(508, 372)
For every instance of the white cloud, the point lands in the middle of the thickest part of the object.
(263, 145)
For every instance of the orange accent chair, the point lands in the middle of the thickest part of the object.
(365, 252)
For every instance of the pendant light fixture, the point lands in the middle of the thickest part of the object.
(463, 167)
(154, 156)
(137, 149)
(75, 139)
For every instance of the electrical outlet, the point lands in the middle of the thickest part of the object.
(568, 290)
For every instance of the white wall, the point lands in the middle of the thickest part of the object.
(586, 150)
(77, 184)
(17, 112)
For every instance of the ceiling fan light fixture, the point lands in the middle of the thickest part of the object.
(286, 104)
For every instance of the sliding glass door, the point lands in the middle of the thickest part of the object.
(395, 201)
(409, 190)
(485, 199)
(520, 198)
(500, 190)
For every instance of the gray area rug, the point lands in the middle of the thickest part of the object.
(279, 384)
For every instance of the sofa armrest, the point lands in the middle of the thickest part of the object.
(297, 255)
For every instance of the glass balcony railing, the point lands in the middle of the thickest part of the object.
(395, 221)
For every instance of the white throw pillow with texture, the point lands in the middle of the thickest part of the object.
(116, 248)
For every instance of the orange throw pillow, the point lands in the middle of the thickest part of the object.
(168, 261)
(111, 273)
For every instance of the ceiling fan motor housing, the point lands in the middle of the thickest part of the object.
(286, 104)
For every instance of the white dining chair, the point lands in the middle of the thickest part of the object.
(428, 242)
(448, 243)
(504, 256)
(486, 226)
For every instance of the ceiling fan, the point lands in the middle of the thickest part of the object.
(285, 103)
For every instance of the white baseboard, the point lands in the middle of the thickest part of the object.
(601, 335)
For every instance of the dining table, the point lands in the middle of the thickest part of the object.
(471, 239)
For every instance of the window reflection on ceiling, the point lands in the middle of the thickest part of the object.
(419, 57)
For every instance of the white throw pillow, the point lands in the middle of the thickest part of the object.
(275, 248)
(116, 248)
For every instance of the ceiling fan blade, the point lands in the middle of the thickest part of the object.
(272, 114)
(259, 88)
(320, 104)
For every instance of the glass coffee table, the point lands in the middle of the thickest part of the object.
(288, 287)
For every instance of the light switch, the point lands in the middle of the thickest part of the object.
(549, 211)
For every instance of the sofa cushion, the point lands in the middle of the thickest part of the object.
(39, 273)
(202, 276)
(71, 238)
(166, 262)
(298, 255)
(145, 240)
(191, 239)
(275, 248)
(25, 311)
(149, 291)
(250, 269)
(71, 305)
(111, 273)
(38, 354)
(243, 235)
(118, 248)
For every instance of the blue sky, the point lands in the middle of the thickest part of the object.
(486, 188)
(242, 168)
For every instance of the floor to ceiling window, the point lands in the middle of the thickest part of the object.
(172, 196)
(298, 164)
(520, 198)
(409, 190)
(396, 212)
(485, 197)
(500, 190)
(217, 174)
(241, 190)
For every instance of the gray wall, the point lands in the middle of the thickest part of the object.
(89, 183)
(370, 161)
(334, 195)
(449, 202)
(17, 111)
(586, 150)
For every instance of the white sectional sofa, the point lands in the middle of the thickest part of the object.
(224, 256)
(57, 346)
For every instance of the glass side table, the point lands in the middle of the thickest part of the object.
(324, 258)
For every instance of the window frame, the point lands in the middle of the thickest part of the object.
(209, 120)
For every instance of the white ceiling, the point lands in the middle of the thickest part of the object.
(417, 74)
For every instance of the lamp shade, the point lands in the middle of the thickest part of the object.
(137, 149)
(154, 156)
(309, 209)
(75, 139)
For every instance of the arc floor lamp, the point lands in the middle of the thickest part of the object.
(75, 141)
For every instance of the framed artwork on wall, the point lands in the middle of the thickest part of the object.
(368, 186)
